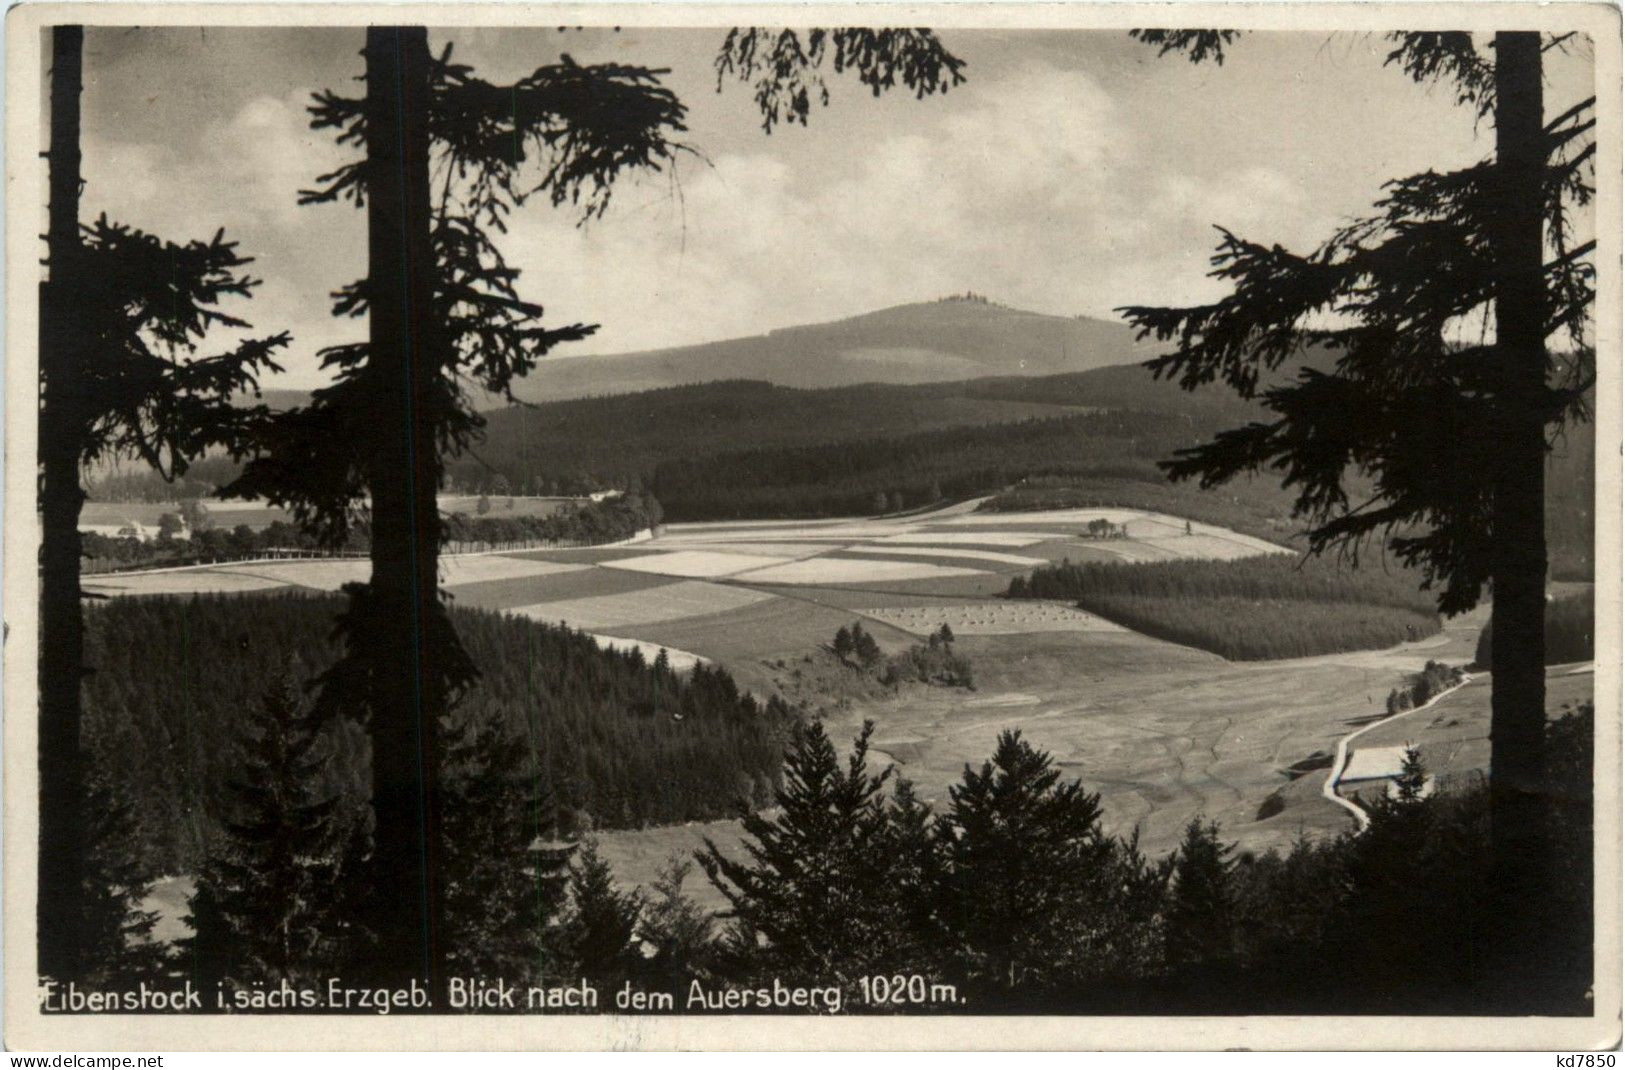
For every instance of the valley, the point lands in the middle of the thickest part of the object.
(1164, 732)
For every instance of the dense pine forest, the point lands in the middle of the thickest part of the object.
(616, 437)
(613, 740)
(589, 523)
(1255, 608)
(887, 474)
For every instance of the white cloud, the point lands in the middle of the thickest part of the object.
(1033, 189)
(1034, 193)
(243, 174)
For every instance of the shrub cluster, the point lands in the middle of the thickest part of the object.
(931, 662)
(586, 523)
(1435, 678)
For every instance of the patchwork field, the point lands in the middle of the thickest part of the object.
(669, 601)
(992, 618)
(1164, 732)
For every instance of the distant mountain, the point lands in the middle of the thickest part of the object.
(930, 342)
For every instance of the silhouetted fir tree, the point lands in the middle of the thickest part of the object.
(1493, 243)
(1412, 779)
(444, 320)
(817, 884)
(785, 67)
(1200, 914)
(597, 936)
(121, 316)
(264, 907)
(1028, 895)
(116, 935)
(1135, 936)
(505, 875)
(917, 865)
(1285, 902)
(843, 642)
(681, 933)
(1417, 913)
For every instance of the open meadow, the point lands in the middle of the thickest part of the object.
(1164, 732)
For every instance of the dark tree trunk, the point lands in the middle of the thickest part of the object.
(404, 608)
(61, 438)
(1518, 654)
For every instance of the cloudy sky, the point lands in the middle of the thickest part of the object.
(1072, 172)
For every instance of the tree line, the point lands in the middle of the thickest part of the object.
(587, 523)
(617, 438)
(1009, 898)
(1263, 577)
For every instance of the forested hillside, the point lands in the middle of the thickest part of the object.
(749, 449)
(876, 475)
(617, 742)
(1255, 608)
(613, 438)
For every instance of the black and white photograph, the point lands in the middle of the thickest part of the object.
(832, 531)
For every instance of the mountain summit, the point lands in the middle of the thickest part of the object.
(937, 341)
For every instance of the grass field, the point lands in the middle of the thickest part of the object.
(669, 601)
(696, 563)
(1453, 734)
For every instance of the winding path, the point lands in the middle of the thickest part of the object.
(1329, 789)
